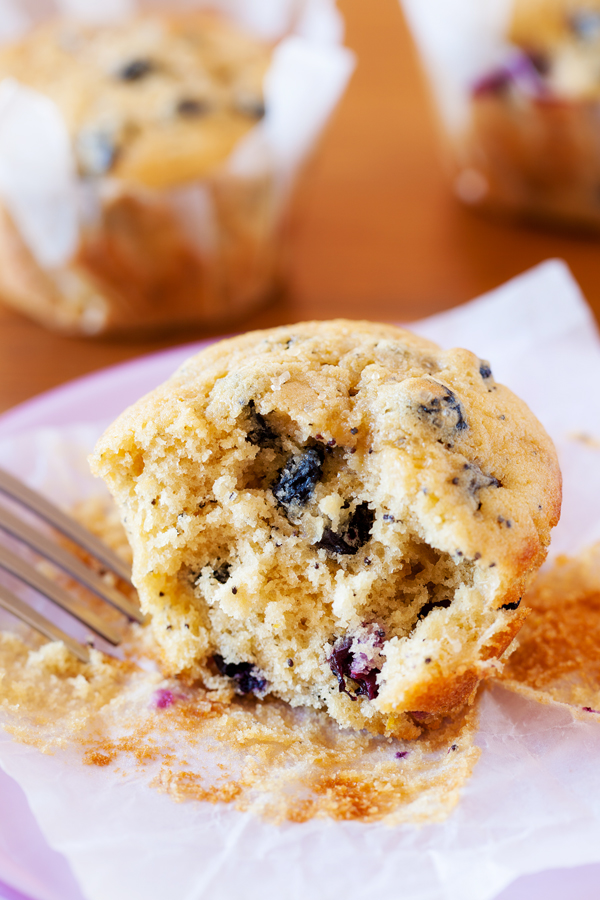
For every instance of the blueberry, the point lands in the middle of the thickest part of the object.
(192, 108)
(352, 658)
(431, 605)
(260, 433)
(585, 24)
(246, 676)
(433, 404)
(136, 69)
(367, 685)
(484, 369)
(297, 480)
(443, 409)
(333, 543)
(514, 605)
(340, 661)
(541, 62)
(355, 535)
(253, 107)
(222, 572)
(496, 82)
(472, 479)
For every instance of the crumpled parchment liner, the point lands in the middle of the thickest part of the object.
(262, 756)
(534, 799)
(458, 41)
(558, 659)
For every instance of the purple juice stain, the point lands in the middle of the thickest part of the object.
(401, 754)
(589, 709)
(163, 698)
(521, 70)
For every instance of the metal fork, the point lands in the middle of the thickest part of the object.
(67, 562)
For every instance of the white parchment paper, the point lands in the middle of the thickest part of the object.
(534, 800)
(458, 41)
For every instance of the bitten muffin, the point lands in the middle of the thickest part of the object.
(532, 147)
(152, 105)
(337, 513)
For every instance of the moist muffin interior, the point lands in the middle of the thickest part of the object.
(322, 517)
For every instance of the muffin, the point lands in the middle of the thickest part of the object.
(336, 513)
(152, 106)
(533, 143)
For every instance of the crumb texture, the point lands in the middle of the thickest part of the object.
(215, 746)
(337, 514)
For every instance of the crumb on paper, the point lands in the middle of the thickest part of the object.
(100, 515)
(262, 756)
(557, 658)
(582, 437)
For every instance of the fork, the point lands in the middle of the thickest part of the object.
(66, 561)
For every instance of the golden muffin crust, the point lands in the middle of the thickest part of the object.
(338, 513)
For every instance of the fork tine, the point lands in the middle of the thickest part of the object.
(25, 613)
(68, 526)
(69, 563)
(35, 579)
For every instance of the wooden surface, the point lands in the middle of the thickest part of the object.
(375, 232)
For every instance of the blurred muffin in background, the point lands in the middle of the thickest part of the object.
(151, 106)
(533, 144)
(154, 101)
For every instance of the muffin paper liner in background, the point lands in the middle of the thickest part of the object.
(240, 207)
(513, 147)
(534, 800)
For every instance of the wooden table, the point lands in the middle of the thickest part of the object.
(375, 231)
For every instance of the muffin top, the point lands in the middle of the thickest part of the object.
(562, 38)
(154, 100)
(475, 454)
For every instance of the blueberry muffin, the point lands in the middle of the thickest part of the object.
(151, 105)
(337, 513)
(534, 140)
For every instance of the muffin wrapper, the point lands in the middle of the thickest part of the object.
(241, 207)
(459, 42)
(519, 152)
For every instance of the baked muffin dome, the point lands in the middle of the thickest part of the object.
(154, 100)
(337, 513)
